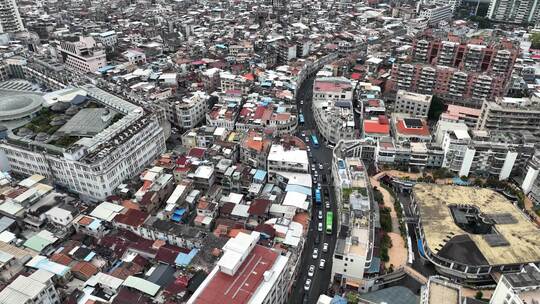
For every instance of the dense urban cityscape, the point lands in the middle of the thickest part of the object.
(269, 152)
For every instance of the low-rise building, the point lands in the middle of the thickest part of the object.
(286, 158)
(243, 260)
(82, 54)
(35, 288)
(408, 129)
(520, 288)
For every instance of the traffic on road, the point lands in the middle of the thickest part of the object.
(314, 273)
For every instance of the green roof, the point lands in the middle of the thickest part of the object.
(41, 240)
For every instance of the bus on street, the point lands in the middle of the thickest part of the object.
(329, 222)
(318, 197)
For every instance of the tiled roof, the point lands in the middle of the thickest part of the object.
(371, 126)
(85, 269)
(132, 217)
(259, 206)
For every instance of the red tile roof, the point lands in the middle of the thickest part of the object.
(84, 269)
(168, 255)
(266, 229)
(403, 129)
(132, 217)
(259, 206)
(126, 296)
(330, 86)
(356, 76)
(61, 258)
(239, 288)
(374, 102)
(373, 126)
(197, 152)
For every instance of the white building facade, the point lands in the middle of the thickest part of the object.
(83, 56)
(94, 167)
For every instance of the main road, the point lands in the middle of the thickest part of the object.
(319, 156)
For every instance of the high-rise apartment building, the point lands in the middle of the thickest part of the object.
(514, 11)
(465, 72)
(10, 19)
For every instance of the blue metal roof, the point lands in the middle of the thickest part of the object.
(259, 175)
(460, 182)
(90, 256)
(180, 211)
(106, 68)
(183, 259)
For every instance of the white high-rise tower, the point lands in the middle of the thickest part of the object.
(10, 19)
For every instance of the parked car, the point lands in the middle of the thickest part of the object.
(307, 285)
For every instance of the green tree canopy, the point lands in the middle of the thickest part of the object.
(535, 40)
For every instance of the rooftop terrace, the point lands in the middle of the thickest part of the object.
(513, 239)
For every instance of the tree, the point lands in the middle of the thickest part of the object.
(352, 298)
(478, 182)
(436, 108)
(483, 22)
(377, 195)
(535, 40)
(479, 295)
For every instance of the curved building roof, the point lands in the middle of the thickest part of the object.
(15, 105)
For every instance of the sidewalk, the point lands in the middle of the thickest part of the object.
(398, 252)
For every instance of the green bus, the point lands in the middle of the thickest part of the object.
(329, 222)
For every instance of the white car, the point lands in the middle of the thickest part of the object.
(319, 215)
(321, 166)
(311, 271)
(327, 205)
(319, 227)
(301, 102)
(322, 263)
(307, 286)
(303, 133)
(325, 247)
(315, 254)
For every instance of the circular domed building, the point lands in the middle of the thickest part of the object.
(18, 107)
